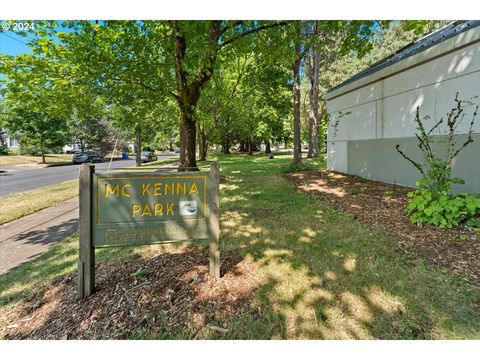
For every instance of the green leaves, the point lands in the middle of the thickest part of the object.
(433, 202)
(141, 273)
(444, 210)
(81, 71)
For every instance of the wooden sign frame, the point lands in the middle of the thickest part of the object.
(87, 187)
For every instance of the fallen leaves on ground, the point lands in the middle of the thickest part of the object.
(161, 296)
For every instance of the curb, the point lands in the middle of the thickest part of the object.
(59, 164)
(71, 162)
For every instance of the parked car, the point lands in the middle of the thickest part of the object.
(87, 156)
(72, 151)
(147, 156)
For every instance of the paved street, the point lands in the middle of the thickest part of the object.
(24, 239)
(17, 180)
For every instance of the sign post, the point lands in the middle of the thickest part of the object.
(86, 264)
(214, 248)
(136, 208)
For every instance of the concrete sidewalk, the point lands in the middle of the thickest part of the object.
(24, 239)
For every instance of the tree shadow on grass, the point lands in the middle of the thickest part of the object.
(318, 274)
(26, 280)
(326, 276)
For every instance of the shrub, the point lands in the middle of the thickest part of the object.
(433, 202)
(441, 208)
(30, 150)
(303, 166)
(4, 150)
(56, 150)
(356, 191)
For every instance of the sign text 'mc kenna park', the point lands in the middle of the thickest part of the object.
(132, 208)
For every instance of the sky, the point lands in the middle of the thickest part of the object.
(13, 44)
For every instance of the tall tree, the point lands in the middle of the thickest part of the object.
(298, 57)
(136, 59)
(302, 37)
(313, 64)
(36, 129)
(204, 40)
(34, 104)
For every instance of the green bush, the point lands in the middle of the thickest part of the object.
(56, 150)
(304, 166)
(4, 150)
(433, 202)
(30, 150)
(441, 208)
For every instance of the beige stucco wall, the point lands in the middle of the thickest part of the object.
(385, 107)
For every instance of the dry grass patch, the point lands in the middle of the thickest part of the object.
(15, 206)
(26, 160)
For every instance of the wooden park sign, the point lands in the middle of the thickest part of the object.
(135, 208)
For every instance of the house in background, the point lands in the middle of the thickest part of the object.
(382, 101)
(10, 142)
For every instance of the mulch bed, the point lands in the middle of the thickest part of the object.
(383, 205)
(175, 296)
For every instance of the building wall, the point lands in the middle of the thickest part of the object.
(381, 115)
(11, 142)
(378, 159)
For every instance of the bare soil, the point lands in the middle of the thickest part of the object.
(166, 295)
(383, 206)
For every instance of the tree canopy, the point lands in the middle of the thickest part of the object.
(206, 82)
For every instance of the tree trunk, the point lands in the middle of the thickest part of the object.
(187, 94)
(42, 151)
(188, 160)
(322, 119)
(205, 147)
(314, 79)
(297, 142)
(202, 144)
(226, 145)
(267, 147)
(138, 149)
(249, 146)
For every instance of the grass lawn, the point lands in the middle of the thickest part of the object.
(156, 164)
(323, 274)
(27, 160)
(15, 206)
